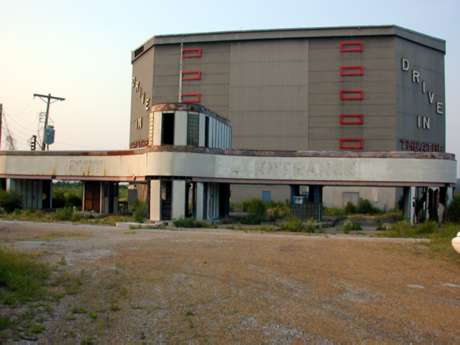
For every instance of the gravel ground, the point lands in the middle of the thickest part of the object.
(230, 287)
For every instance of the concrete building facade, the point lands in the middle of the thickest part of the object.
(353, 88)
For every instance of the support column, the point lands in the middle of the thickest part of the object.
(178, 199)
(155, 200)
(200, 204)
(409, 204)
(449, 196)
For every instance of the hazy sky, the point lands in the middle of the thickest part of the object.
(80, 50)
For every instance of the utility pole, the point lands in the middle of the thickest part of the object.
(47, 99)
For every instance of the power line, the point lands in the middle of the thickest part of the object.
(23, 128)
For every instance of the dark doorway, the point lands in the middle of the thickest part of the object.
(224, 200)
(46, 194)
(167, 129)
(92, 196)
(166, 199)
(2, 183)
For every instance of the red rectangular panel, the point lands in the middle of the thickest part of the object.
(191, 53)
(351, 46)
(351, 95)
(191, 75)
(351, 119)
(191, 97)
(346, 71)
(351, 143)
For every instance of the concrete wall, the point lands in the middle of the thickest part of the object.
(377, 83)
(250, 167)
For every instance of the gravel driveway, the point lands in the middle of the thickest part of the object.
(230, 287)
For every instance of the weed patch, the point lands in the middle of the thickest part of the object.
(21, 278)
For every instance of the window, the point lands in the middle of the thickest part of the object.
(167, 130)
(266, 196)
(206, 132)
(193, 129)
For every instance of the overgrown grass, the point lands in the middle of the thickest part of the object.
(440, 236)
(190, 223)
(441, 241)
(22, 278)
(404, 229)
(65, 214)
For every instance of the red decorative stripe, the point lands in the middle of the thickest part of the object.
(192, 53)
(351, 144)
(351, 95)
(191, 97)
(351, 119)
(346, 71)
(351, 46)
(191, 75)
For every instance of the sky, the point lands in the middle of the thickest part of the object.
(80, 50)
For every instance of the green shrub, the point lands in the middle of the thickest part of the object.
(293, 224)
(334, 211)
(10, 201)
(350, 208)
(140, 211)
(58, 199)
(65, 213)
(190, 223)
(5, 322)
(453, 212)
(256, 210)
(277, 212)
(255, 207)
(366, 207)
(251, 219)
(349, 225)
(73, 200)
(311, 225)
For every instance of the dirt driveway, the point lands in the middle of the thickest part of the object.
(229, 287)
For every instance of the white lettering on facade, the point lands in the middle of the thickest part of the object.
(440, 108)
(139, 123)
(423, 122)
(142, 95)
(405, 65)
(415, 76)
